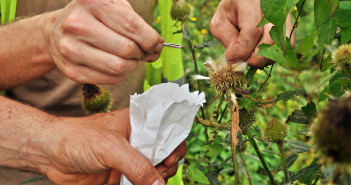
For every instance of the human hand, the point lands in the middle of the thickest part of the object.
(100, 42)
(95, 150)
(235, 25)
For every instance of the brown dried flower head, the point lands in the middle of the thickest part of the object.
(224, 76)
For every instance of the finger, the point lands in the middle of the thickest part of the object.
(176, 155)
(250, 34)
(133, 165)
(258, 61)
(167, 172)
(150, 57)
(82, 74)
(102, 37)
(129, 24)
(221, 27)
(83, 54)
(114, 178)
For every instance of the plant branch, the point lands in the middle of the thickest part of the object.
(269, 75)
(283, 156)
(246, 169)
(298, 16)
(253, 143)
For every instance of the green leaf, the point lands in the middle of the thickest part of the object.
(305, 171)
(324, 95)
(334, 5)
(306, 46)
(276, 11)
(288, 95)
(343, 15)
(299, 146)
(276, 53)
(213, 149)
(326, 64)
(263, 22)
(298, 117)
(289, 161)
(326, 26)
(310, 111)
(250, 74)
(197, 175)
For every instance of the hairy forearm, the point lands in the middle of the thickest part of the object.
(23, 134)
(24, 53)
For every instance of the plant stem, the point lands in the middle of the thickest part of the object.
(253, 143)
(235, 163)
(269, 75)
(283, 156)
(297, 18)
(246, 169)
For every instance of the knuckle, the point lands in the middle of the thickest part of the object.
(214, 25)
(71, 73)
(130, 50)
(145, 169)
(257, 32)
(130, 23)
(66, 48)
(118, 68)
(74, 23)
(154, 41)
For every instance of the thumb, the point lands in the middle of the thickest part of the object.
(134, 166)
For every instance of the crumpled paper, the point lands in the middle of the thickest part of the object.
(161, 118)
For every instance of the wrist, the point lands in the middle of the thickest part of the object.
(24, 134)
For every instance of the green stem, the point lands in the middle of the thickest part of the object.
(283, 156)
(235, 163)
(253, 143)
(246, 169)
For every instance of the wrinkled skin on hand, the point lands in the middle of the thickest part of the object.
(235, 25)
(95, 150)
(100, 42)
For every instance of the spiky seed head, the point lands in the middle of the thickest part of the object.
(275, 131)
(180, 10)
(224, 75)
(331, 131)
(247, 118)
(342, 55)
(96, 99)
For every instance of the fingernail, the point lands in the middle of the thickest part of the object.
(159, 47)
(155, 56)
(164, 175)
(176, 160)
(158, 182)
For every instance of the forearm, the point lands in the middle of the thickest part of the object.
(24, 53)
(23, 133)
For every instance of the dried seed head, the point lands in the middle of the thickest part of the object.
(224, 76)
(331, 131)
(275, 131)
(247, 119)
(342, 54)
(96, 99)
(180, 10)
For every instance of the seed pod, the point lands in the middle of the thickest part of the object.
(247, 118)
(224, 76)
(342, 54)
(275, 131)
(96, 99)
(180, 10)
(331, 131)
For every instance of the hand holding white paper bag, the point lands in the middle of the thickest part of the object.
(161, 118)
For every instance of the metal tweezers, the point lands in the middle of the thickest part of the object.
(178, 46)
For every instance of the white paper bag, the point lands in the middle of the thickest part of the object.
(161, 118)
